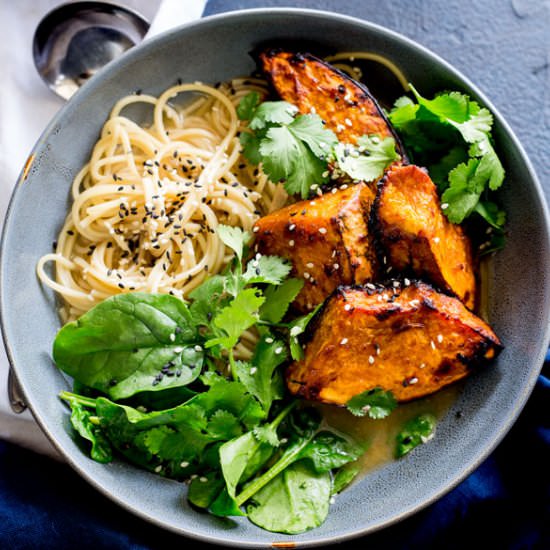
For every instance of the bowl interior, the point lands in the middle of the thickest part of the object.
(217, 49)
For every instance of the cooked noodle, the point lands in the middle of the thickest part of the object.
(146, 206)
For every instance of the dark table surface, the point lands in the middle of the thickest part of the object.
(504, 47)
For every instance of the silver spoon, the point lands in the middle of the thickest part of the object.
(75, 40)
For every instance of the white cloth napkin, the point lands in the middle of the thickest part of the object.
(26, 107)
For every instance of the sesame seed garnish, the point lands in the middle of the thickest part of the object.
(422, 366)
(255, 229)
(444, 206)
(432, 343)
(278, 350)
(440, 338)
(348, 121)
(322, 230)
(269, 340)
(184, 464)
(336, 266)
(292, 227)
(436, 240)
(203, 479)
(413, 380)
(253, 370)
(344, 341)
(291, 243)
(172, 337)
(198, 348)
(347, 307)
(158, 469)
(371, 359)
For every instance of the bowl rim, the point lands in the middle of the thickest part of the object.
(364, 26)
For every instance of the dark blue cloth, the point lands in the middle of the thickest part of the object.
(505, 504)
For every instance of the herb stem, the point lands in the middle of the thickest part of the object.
(85, 401)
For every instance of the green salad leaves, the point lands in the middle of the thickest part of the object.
(451, 135)
(157, 381)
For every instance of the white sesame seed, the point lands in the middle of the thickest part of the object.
(336, 266)
(432, 343)
(440, 338)
(172, 337)
(370, 286)
(322, 230)
(344, 341)
(347, 307)
(278, 350)
(178, 349)
(158, 469)
(198, 348)
(444, 206)
(253, 370)
(292, 227)
(203, 479)
(255, 229)
(184, 464)
(422, 365)
(306, 275)
(312, 203)
(291, 243)
(371, 359)
(348, 121)
(413, 380)
(310, 265)
(269, 340)
(436, 240)
(407, 282)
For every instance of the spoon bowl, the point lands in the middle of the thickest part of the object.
(74, 41)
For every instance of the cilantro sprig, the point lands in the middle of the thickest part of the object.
(299, 151)
(451, 135)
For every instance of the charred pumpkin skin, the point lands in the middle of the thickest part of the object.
(412, 341)
(416, 236)
(326, 239)
(312, 85)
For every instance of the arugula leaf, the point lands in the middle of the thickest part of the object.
(376, 402)
(367, 165)
(131, 343)
(416, 431)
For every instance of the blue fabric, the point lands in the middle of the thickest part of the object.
(45, 505)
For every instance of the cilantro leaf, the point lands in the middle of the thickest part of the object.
(376, 402)
(279, 298)
(296, 328)
(368, 165)
(235, 238)
(451, 107)
(267, 269)
(272, 112)
(236, 317)
(310, 130)
(251, 147)
(247, 106)
(287, 158)
(415, 432)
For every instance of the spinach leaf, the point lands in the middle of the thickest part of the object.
(81, 419)
(293, 502)
(131, 343)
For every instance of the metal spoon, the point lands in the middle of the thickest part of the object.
(75, 40)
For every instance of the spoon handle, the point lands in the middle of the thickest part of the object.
(15, 394)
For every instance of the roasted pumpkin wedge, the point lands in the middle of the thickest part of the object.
(417, 237)
(327, 240)
(411, 340)
(312, 85)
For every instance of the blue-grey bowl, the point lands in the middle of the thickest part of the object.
(216, 49)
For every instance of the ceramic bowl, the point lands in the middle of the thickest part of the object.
(216, 49)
